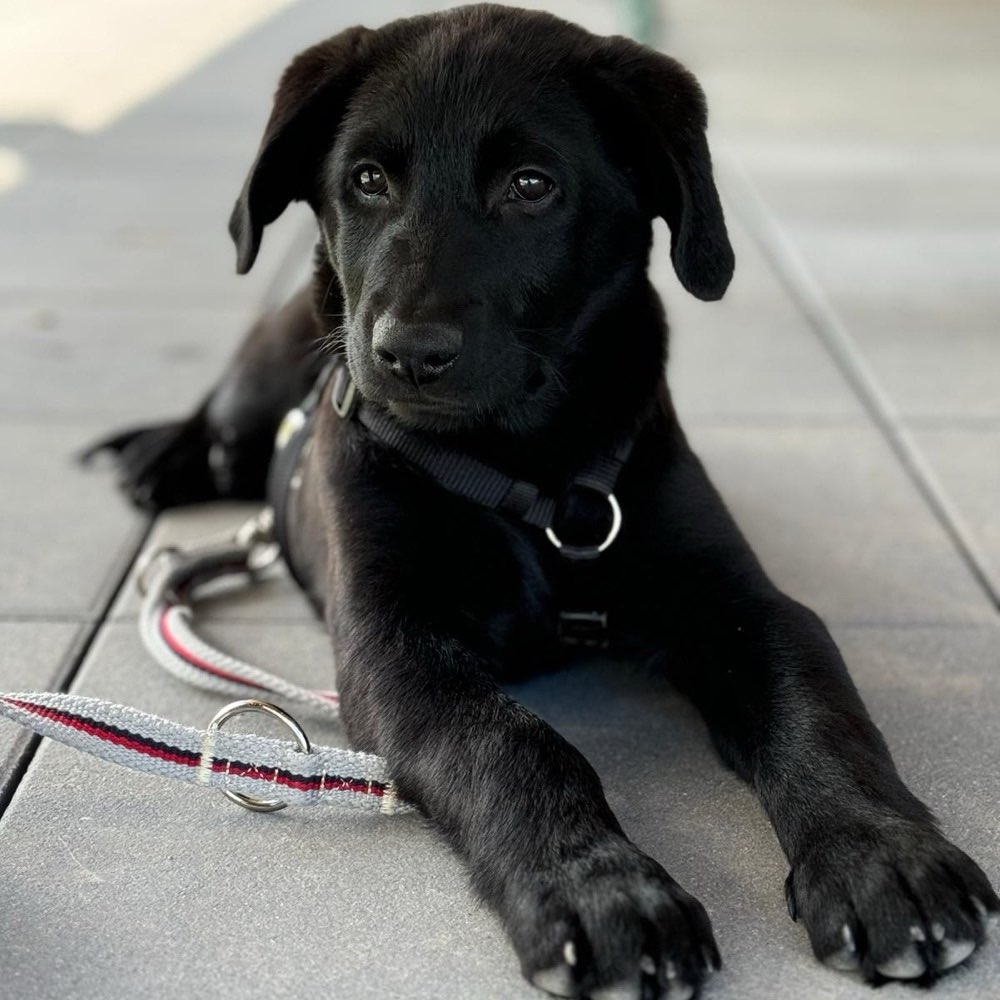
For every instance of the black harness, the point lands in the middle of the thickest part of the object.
(456, 472)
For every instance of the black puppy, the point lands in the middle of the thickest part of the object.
(485, 182)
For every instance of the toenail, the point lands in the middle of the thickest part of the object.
(953, 952)
(557, 980)
(627, 989)
(906, 965)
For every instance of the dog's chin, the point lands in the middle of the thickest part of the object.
(440, 417)
(518, 409)
(513, 416)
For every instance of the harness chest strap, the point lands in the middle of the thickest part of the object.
(455, 471)
(461, 474)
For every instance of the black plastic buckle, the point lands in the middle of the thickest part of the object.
(584, 628)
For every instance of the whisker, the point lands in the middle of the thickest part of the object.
(334, 341)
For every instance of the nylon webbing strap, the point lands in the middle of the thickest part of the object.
(460, 473)
(290, 447)
(229, 761)
(603, 472)
(466, 476)
(456, 471)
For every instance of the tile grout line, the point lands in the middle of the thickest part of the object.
(794, 274)
(79, 651)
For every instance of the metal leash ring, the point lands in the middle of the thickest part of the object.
(591, 551)
(264, 708)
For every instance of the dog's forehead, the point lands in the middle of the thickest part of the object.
(462, 87)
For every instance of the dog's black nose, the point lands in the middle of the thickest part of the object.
(417, 352)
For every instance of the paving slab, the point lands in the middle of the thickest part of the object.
(968, 459)
(88, 229)
(905, 185)
(148, 265)
(118, 884)
(752, 356)
(838, 525)
(34, 656)
(916, 310)
(931, 373)
(860, 131)
(920, 306)
(66, 537)
(853, 69)
(120, 365)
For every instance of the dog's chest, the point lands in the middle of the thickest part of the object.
(388, 534)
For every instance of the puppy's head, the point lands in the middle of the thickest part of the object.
(484, 182)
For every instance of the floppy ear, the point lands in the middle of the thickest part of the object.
(308, 105)
(658, 116)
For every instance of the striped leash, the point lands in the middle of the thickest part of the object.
(243, 766)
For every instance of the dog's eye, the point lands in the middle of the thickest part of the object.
(370, 180)
(530, 185)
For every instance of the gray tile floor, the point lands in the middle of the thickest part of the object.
(844, 396)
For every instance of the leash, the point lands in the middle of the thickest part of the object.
(170, 581)
(241, 765)
(244, 765)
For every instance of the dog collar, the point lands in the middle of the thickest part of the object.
(455, 471)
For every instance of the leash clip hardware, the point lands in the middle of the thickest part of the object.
(257, 537)
(344, 393)
(264, 708)
(148, 564)
(258, 530)
(590, 551)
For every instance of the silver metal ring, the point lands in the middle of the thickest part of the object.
(581, 551)
(264, 708)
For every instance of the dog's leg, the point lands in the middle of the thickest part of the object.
(223, 449)
(876, 885)
(588, 913)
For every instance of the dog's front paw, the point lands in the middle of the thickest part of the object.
(892, 901)
(610, 924)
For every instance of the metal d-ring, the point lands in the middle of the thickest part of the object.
(590, 551)
(264, 708)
